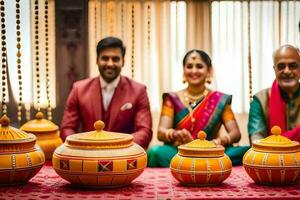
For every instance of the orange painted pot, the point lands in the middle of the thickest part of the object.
(99, 158)
(20, 157)
(47, 134)
(200, 163)
(273, 160)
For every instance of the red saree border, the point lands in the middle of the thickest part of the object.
(202, 113)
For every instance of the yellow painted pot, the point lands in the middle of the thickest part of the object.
(20, 157)
(273, 160)
(200, 163)
(99, 158)
(47, 133)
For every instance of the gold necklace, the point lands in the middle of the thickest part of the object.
(190, 101)
(193, 99)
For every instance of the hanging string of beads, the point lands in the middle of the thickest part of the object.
(18, 22)
(132, 40)
(49, 110)
(27, 113)
(111, 13)
(95, 22)
(279, 22)
(101, 24)
(176, 50)
(122, 20)
(3, 57)
(148, 30)
(36, 42)
(249, 54)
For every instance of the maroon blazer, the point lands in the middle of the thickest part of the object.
(128, 112)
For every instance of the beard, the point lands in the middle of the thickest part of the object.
(109, 73)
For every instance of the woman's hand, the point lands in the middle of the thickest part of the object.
(217, 141)
(182, 137)
(223, 140)
(234, 134)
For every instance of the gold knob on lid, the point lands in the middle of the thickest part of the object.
(4, 121)
(276, 130)
(201, 135)
(99, 125)
(39, 115)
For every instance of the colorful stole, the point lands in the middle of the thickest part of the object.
(277, 111)
(207, 112)
(277, 108)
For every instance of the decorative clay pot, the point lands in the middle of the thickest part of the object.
(20, 158)
(273, 160)
(200, 163)
(99, 158)
(47, 133)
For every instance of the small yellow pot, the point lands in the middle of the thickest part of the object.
(99, 158)
(47, 134)
(20, 157)
(274, 160)
(200, 163)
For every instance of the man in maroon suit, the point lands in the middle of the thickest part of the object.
(117, 100)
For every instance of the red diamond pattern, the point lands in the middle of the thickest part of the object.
(131, 164)
(64, 164)
(105, 166)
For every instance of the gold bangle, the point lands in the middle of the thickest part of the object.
(228, 138)
(169, 134)
(217, 141)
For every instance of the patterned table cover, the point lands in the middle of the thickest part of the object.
(154, 183)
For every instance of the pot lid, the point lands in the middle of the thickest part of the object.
(9, 134)
(99, 139)
(39, 124)
(276, 143)
(201, 148)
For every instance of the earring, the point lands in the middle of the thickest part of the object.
(183, 79)
(208, 80)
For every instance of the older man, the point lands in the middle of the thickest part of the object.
(280, 104)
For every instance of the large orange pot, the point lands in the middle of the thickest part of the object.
(99, 158)
(47, 133)
(200, 163)
(20, 157)
(273, 160)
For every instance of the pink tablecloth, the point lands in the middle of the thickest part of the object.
(154, 183)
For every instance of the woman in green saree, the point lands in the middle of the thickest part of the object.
(193, 109)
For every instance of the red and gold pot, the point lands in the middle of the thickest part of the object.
(20, 157)
(274, 160)
(99, 158)
(200, 163)
(47, 133)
